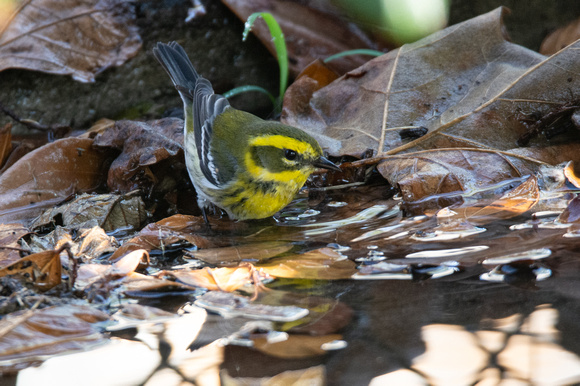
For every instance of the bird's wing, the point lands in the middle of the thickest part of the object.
(206, 107)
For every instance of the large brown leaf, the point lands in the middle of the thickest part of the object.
(472, 90)
(47, 176)
(463, 84)
(144, 146)
(425, 173)
(69, 37)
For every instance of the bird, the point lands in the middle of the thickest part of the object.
(247, 166)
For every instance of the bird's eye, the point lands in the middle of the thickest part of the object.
(290, 154)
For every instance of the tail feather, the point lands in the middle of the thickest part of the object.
(177, 64)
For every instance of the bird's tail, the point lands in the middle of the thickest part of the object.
(175, 61)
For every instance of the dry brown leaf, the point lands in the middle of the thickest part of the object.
(26, 337)
(570, 174)
(310, 33)
(95, 242)
(69, 37)
(49, 175)
(168, 231)
(314, 77)
(9, 247)
(89, 274)
(560, 38)
(515, 202)
(109, 211)
(571, 215)
(42, 269)
(144, 146)
(98, 127)
(470, 89)
(135, 284)
(321, 264)
(440, 171)
(465, 84)
(5, 143)
(20, 150)
(247, 252)
(216, 279)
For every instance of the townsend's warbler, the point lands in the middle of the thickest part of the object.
(249, 167)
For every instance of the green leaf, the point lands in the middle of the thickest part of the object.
(279, 44)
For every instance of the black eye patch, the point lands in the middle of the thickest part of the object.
(290, 154)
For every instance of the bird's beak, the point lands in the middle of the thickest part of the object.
(325, 164)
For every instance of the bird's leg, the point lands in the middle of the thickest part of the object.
(204, 214)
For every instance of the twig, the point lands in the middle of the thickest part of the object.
(33, 124)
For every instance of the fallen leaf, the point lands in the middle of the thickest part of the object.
(139, 285)
(310, 33)
(5, 143)
(439, 171)
(149, 154)
(109, 211)
(321, 264)
(47, 176)
(314, 77)
(168, 231)
(560, 38)
(9, 236)
(22, 148)
(42, 269)
(458, 83)
(95, 242)
(69, 37)
(217, 279)
(239, 253)
(90, 274)
(571, 175)
(513, 203)
(30, 336)
(571, 215)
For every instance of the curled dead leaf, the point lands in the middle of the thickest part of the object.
(48, 175)
(69, 37)
(109, 211)
(144, 146)
(42, 269)
(168, 231)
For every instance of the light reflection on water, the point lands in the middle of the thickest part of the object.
(442, 324)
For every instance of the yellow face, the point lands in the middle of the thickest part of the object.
(280, 159)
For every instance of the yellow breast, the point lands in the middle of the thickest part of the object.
(254, 200)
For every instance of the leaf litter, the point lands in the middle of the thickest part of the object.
(69, 37)
(465, 139)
